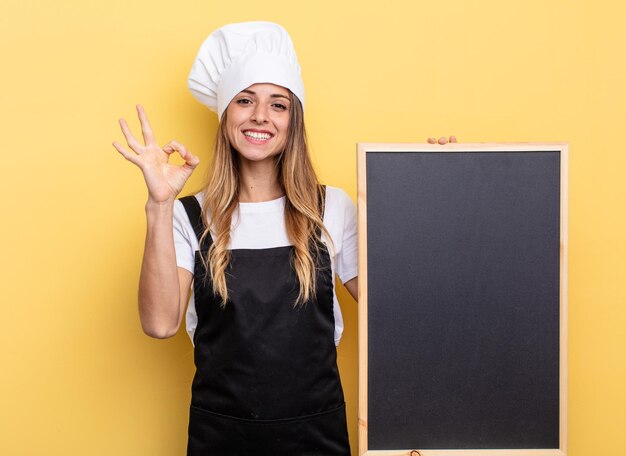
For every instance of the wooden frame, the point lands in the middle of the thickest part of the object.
(362, 150)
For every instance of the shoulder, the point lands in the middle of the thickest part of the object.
(337, 199)
(340, 219)
(198, 196)
(180, 213)
(339, 210)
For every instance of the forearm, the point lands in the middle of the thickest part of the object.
(352, 286)
(159, 289)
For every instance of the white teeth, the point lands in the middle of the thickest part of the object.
(256, 135)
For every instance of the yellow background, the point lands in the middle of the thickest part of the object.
(78, 375)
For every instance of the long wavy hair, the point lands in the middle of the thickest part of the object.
(303, 205)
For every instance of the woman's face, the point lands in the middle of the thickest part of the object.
(257, 120)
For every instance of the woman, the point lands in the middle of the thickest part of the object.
(260, 245)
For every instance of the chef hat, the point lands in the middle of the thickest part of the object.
(236, 56)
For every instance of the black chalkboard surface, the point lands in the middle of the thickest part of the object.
(462, 299)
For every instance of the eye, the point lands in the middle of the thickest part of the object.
(244, 101)
(280, 106)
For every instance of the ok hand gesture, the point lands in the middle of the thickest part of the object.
(164, 180)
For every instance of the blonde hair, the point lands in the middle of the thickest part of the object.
(303, 205)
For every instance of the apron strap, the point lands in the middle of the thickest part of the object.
(322, 207)
(194, 212)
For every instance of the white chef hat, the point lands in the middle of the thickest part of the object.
(236, 56)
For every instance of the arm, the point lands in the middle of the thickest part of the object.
(163, 287)
(343, 219)
(352, 286)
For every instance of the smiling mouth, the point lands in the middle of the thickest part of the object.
(257, 136)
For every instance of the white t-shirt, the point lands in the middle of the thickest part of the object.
(262, 226)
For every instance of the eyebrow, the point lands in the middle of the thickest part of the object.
(274, 95)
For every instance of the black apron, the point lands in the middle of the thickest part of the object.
(266, 379)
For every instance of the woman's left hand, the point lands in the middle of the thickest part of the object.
(443, 140)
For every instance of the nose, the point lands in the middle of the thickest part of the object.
(259, 115)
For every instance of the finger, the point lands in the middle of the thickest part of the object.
(174, 146)
(432, 141)
(453, 139)
(190, 159)
(178, 147)
(168, 149)
(443, 140)
(131, 157)
(130, 139)
(146, 128)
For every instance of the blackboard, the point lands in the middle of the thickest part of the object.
(462, 285)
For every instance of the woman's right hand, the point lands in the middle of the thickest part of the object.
(164, 180)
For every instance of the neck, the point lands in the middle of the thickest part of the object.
(259, 181)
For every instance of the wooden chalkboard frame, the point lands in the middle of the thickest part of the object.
(362, 150)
